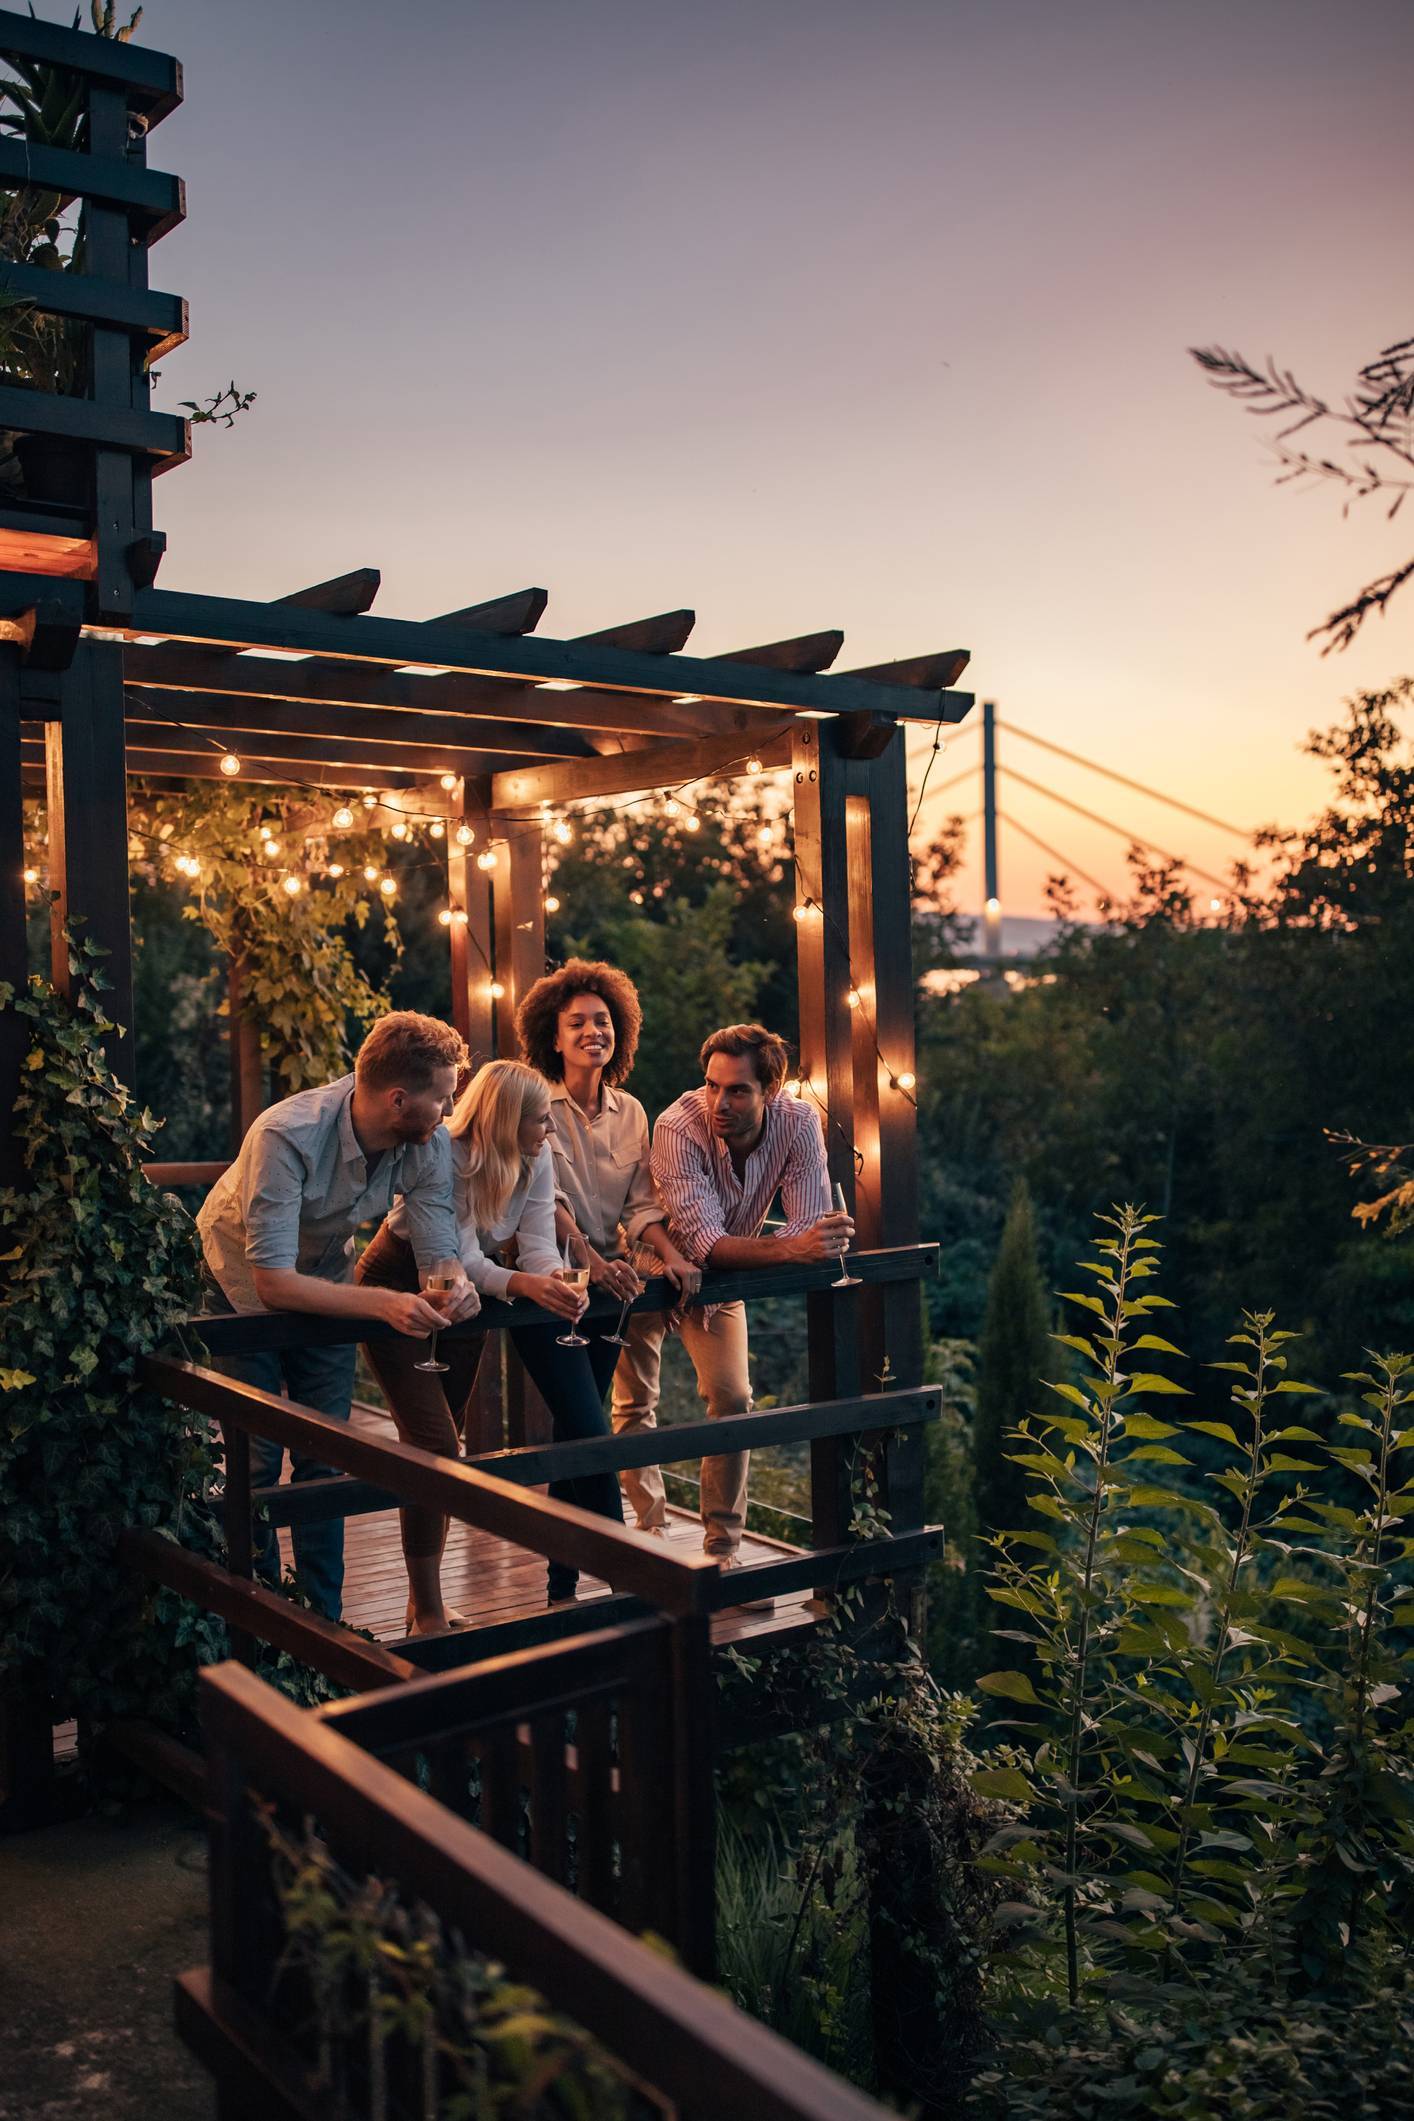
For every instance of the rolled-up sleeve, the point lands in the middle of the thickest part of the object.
(805, 1181)
(429, 1217)
(685, 1186)
(272, 1192)
(642, 1207)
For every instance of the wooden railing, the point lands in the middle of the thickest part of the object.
(683, 2041)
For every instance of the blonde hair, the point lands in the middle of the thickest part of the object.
(488, 1116)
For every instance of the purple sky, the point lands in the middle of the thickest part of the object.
(808, 313)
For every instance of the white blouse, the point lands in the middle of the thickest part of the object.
(528, 1217)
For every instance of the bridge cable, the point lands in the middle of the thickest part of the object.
(1135, 839)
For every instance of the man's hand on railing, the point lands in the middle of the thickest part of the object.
(827, 1238)
(401, 1308)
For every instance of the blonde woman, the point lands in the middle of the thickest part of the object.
(503, 1190)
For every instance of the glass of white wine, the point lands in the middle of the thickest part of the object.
(846, 1280)
(576, 1277)
(437, 1281)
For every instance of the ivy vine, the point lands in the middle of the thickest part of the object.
(97, 1269)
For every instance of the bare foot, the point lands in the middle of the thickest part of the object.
(435, 1623)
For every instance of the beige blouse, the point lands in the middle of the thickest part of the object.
(602, 1173)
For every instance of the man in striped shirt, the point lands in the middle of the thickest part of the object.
(720, 1156)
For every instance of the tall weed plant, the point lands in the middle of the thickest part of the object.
(1209, 1721)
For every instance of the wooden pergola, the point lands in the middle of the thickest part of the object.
(474, 716)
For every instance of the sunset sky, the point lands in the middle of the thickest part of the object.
(807, 313)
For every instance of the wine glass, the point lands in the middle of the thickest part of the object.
(577, 1278)
(640, 1259)
(437, 1281)
(846, 1281)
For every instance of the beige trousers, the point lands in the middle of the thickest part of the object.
(717, 1346)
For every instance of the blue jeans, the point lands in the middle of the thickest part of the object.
(322, 1378)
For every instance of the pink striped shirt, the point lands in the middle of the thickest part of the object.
(697, 1179)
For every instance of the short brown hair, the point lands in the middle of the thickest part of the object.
(404, 1050)
(538, 1016)
(769, 1055)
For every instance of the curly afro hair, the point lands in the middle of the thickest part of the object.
(538, 1016)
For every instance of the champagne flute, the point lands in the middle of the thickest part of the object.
(438, 1281)
(639, 1259)
(576, 1278)
(846, 1281)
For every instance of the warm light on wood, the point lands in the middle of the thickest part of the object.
(30, 552)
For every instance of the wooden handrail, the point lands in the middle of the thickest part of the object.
(246, 1332)
(313, 1501)
(682, 2037)
(629, 1561)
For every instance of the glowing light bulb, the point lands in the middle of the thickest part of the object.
(388, 886)
(464, 835)
(794, 1087)
(564, 832)
(336, 868)
(495, 990)
(673, 807)
(445, 917)
(31, 876)
(370, 874)
(437, 830)
(370, 802)
(487, 858)
(907, 1081)
(270, 848)
(292, 885)
(230, 764)
(400, 830)
(552, 904)
(853, 997)
(635, 898)
(765, 837)
(994, 907)
(448, 781)
(801, 912)
(1215, 905)
(343, 818)
(692, 823)
(460, 916)
(753, 764)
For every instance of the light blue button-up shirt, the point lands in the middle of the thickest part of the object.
(301, 1185)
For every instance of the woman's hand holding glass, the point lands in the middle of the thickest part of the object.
(549, 1293)
(616, 1276)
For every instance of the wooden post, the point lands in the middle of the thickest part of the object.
(14, 961)
(694, 1850)
(86, 760)
(247, 1065)
(519, 895)
(122, 479)
(827, 1078)
(469, 898)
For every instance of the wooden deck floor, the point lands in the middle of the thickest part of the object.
(490, 1581)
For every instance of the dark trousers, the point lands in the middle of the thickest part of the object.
(430, 1410)
(322, 1378)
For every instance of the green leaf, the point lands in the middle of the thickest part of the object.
(1157, 1454)
(1090, 1303)
(1013, 1686)
(1007, 1783)
(1160, 1347)
(1146, 1425)
(1221, 1429)
(1151, 1381)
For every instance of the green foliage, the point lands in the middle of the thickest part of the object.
(98, 1268)
(1011, 1361)
(382, 2001)
(1213, 1777)
(954, 1634)
(292, 955)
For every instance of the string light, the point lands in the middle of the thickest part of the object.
(853, 997)
(230, 764)
(552, 904)
(445, 917)
(437, 830)
(448, 781)
(563, 831)
(388, 886)
(765, 837)
(336, 869)
(31, 876)
(270, 848)
(635, 898)
(464, 835)
(460, 916)
(907, 1081)
(753, 764)
(806, 910)
(343, 818)
(292, 885)
(370, 802)
(692, 822)
(673, 806)
(370, 874)
(795, 1087)
(400, 830)
(495, 990)
(487, 858)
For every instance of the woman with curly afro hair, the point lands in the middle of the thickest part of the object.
(579, 1028)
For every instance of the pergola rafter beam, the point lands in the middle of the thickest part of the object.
(663, 635)
(239, 716)
(228, 621)
(521, 612)
(522, 788)
(347, 754)
(810, 652)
